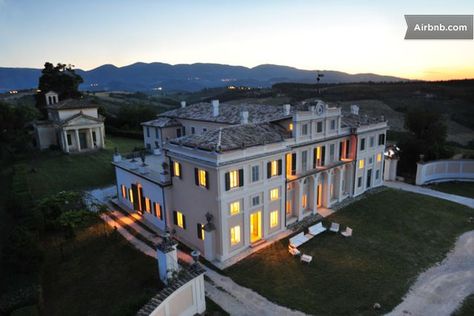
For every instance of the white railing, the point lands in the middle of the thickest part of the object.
(445, 170)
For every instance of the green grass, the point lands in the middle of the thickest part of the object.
(397, 235)
(212, 309)
(458, 188)
(55, 171)
(100, 274)
(467, 308)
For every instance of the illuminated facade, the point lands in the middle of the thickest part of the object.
(226, 177)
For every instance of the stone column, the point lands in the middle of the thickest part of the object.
(328, 189)
(102, 135)
(91, 138)
(315, 193)
(167, 256)
(300, 199)
(341, 189)
(78, 143)
(66, 145)
(209, 244)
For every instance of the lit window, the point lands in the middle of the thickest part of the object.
(234, 179)
(288, 207)
(274, 194)
(124, 192)
(304, 201)
(379, 157)
(202, 177)
(157, 210)
(273, 218)
(200, 231)
(130, 194)
(176, 169)
(147, 205)
(274, 168)
(290, 127)
(361, 164)
(235, 235)
(234, 208)
(180, 219)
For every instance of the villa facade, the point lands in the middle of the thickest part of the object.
(225, 177)
(73, 124)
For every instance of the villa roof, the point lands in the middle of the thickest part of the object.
(235, 137)
(162, 122)
(82, 103)
(228, 113)
(354, 121)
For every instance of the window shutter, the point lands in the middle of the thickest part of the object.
(171, 168)
(340, 150)
(315, 158)
(227, 181)
(348, 148)
(135, 196)
(293, 163)
(160, 212)
(207, 180)
(180, 171)
(199, 231)
(175, 218)
(184, 222)
(279, 166)
(269, 170)
(241, 177)
(142, 198)
(196, 176)
(323, 155)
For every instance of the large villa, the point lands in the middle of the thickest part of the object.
(225, 177)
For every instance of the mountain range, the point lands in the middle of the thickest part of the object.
(184, 77)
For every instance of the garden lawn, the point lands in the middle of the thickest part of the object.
(55, 171)
(397, 235)
(458, 188)
(100, 274)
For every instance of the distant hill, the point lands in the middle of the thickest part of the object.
(184, 77)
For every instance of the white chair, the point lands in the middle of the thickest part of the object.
(306, 258)
(334, 227)
(316, 229)
(298, 240)
(294, 251)
(347, 232)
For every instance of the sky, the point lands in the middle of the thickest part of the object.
(351, 36)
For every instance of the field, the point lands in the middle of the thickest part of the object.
(53, 172)
(397, 235)
(458, 188)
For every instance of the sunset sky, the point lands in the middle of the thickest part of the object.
(351, 36)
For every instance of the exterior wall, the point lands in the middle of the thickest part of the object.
(187, 300)
(194, 202)
(65, 114)
(151, 190)
(45, 136)
(244, 194)
(371, 165)
(445, 170)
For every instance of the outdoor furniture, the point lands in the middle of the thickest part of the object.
(294, 251)
(306, 258)
(334, 227)
(347, 232)
(317, 229)
(298, 240)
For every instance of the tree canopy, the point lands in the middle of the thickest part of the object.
(61, 79)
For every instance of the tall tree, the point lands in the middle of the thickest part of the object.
(61, 79)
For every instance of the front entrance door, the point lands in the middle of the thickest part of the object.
(83, 140)
(255, 226)
(369, 178)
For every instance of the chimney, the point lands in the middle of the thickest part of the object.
(183, 104)
(244, 117)
(354, 109)
(215, 108)
(286, 109)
